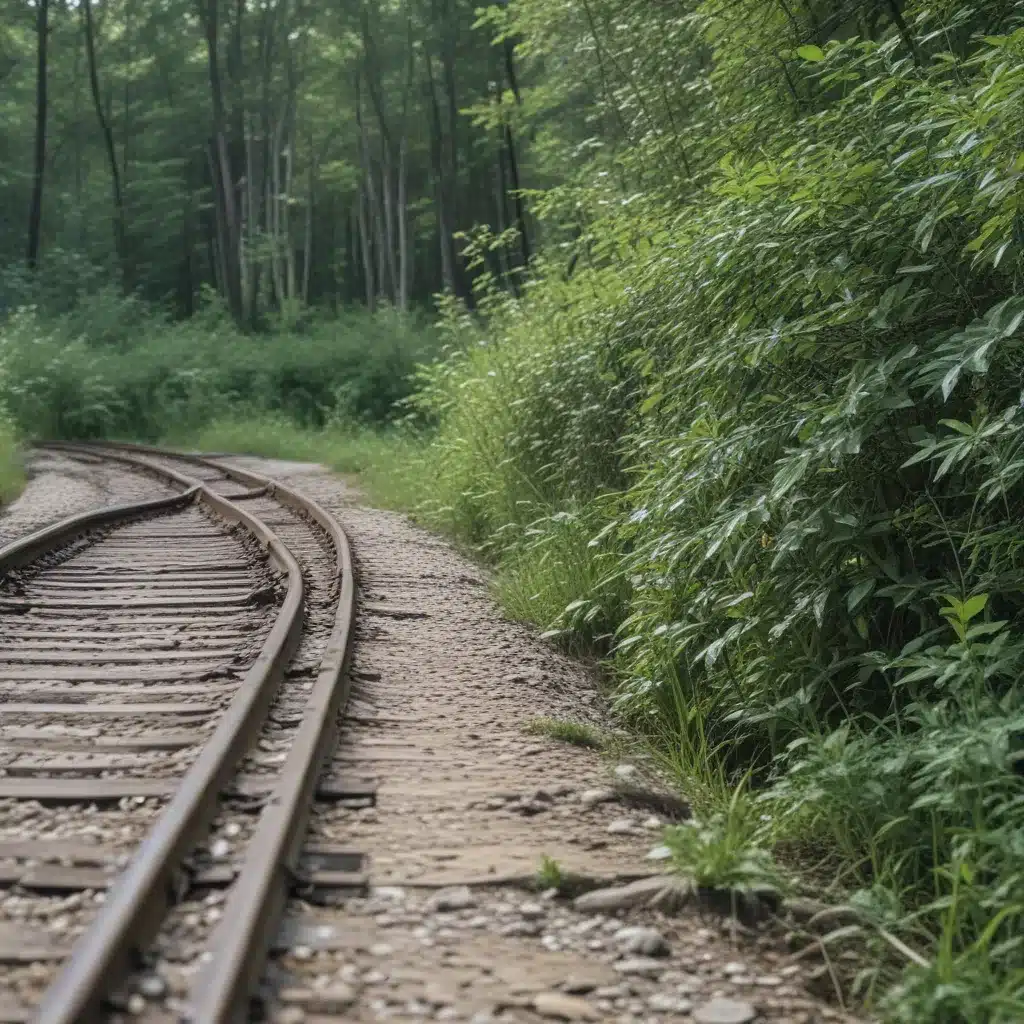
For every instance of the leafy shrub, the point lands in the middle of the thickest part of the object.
(116, 367)
(782, 394)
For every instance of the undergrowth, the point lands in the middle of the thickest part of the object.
(762, 448)
(113, 366)
(12, 476)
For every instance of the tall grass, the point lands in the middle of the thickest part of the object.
(12, 476)
(376, 457)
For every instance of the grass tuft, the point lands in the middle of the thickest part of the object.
(579, 734)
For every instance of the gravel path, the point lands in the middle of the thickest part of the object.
(468, 805)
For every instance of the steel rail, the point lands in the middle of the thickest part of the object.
(253, 911)
(33, 546)
(137, 902)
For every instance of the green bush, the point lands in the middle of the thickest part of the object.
(770, 437)
(115, 367)
(12, 477)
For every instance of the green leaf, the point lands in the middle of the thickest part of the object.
(974, 606)
(949, 381)
(855, 598)
(651, 403)
(811, 53)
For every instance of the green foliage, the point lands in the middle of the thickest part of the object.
(550, 874)
(12, 476)
(727, 851)
(579, 734)
(115, 367)
(762, 437)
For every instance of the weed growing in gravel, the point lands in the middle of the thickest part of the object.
(579, 734)
(550, 874)
(727, 851)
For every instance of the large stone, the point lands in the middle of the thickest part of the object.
(459, 897)
(645, 941)
(640, 967)
(593, 797)
(334, 999)
(621, 826)
(724, 1011)
(669, 892)
(560, 1006)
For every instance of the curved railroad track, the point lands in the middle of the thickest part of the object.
(172, 673)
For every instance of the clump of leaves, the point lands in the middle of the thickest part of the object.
(727, 850)
(579, 734)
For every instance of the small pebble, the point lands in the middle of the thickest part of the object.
(665, 1002)
(559, 1006)
(152, 986)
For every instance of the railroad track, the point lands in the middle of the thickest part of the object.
(172, 673)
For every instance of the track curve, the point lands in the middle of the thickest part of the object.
(127, 568)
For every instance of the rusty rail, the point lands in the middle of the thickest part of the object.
(138, 901)
(256, 902)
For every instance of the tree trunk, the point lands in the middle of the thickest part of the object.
(307, 247)
(108, 140)
(35, 215)
(440, 186)
(513, 161)
(220, 166)
(364, 247)
(404, 261)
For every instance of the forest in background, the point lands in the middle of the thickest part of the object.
(725, 380)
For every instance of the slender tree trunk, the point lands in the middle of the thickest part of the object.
(388, 203)
(220, 164)
(274, 216)
(250, 220)
(35, 215)
(513, 161)
(364, 246)
(444, 231)
(108, 139)
(286, 227)
(404, 255)
(307, 247)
